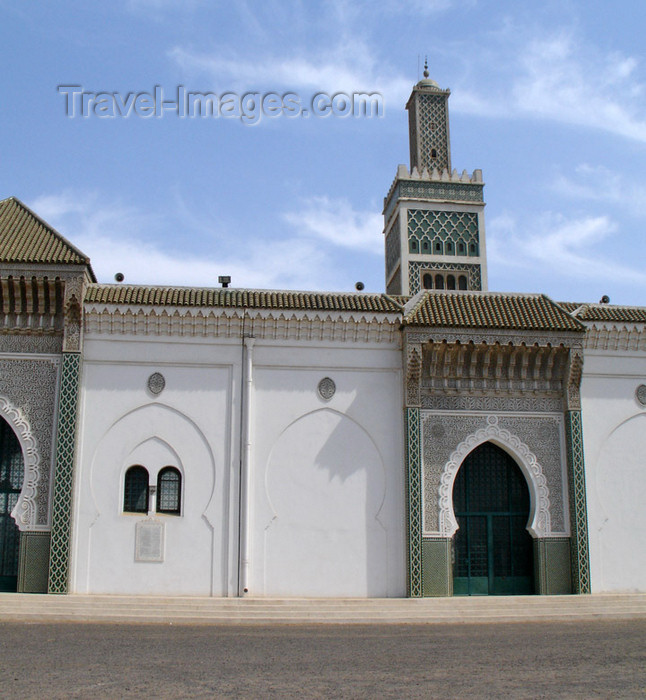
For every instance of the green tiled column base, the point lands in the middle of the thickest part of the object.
(414, 502)
(552, 564)
(34, 562)
(578, 507)
(64, 475)
(437, 575)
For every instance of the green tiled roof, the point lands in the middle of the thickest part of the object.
(26, 238)
(239, 298)
(606, 312)
(490, 310)
(569, 306)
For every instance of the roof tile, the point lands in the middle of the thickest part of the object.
(490, 310)
(606, 312)
(240, 298)
(26, 238)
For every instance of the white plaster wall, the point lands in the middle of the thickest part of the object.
(327, 476)
(614, 435)
(327, 481)
(187, 426)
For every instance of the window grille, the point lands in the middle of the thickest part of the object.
(169, 488)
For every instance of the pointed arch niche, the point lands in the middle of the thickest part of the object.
(192, 557)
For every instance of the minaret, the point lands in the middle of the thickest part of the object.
(433, 216)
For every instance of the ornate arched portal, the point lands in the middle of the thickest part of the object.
(493, 548)
(12, 472)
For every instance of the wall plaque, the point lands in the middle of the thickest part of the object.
(149, 540)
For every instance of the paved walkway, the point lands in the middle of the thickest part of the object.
(587, 659)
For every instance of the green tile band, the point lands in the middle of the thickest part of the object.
(34, 562)
(578, 505)
(414, 502)
(437, 580)
(553, 565)
(64, 474)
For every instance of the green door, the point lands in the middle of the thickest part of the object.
(12, 469)
(493, 550)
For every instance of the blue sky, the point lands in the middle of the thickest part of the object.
(548, 99)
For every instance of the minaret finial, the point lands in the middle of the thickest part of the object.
(425, 66)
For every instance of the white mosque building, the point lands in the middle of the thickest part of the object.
(435, 440)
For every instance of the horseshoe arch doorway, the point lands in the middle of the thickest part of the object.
(12, 468)
(494, 552)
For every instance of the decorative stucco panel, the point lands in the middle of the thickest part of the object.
(31, 386)
(534, 440)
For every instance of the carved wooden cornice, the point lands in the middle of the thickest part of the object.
(494, 336)
(456, 368)
(574, 371)
(73, 313)
(412, 373)
(32, 305)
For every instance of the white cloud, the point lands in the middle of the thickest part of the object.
(290, 264)
(119, 238)
(557, 246)
(347, 67)
(86, 216)
(561, 78)
(336, 222)
(600, 184)
(530, 73)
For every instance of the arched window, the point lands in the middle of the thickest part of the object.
(135, 491)
(412, 246)
(461, 249)
(450, 282)
(462, 282)
(433, 153)
(169, 491)
(439, 282)
(448, 248)
(427, 281)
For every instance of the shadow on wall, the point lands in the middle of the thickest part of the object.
(326, 485)
(618, 485)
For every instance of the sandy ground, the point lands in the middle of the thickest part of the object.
(604, 659)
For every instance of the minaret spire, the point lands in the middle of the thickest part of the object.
(428, 112)
(433, 215)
